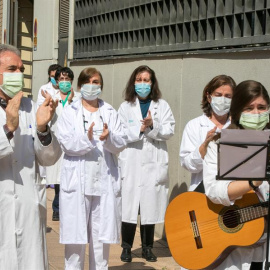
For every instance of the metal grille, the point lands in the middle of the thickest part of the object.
(106, 28)
(64, 18)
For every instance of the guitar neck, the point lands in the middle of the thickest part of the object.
(253, 212)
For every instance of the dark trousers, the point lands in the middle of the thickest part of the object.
(256, 266)
(55, 203)
(128, 233)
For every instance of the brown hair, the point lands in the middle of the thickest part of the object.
(245, 92)
(129, 92)
(86, 74)
(215, 83)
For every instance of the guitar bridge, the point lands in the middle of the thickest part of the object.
(195, 229)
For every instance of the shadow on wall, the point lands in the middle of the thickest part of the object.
(177, 190)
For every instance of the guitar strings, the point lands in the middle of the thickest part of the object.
(232, 218)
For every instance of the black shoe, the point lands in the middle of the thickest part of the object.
(126, 255)
(55, 216)
(148, 255)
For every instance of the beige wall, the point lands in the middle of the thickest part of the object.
(1, 20)
(181, 79)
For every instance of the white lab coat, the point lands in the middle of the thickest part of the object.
(22, 196)
(48, 87)
(193, 136)
(216, 191)
(75, 144)
(144, 163)
(53, 172)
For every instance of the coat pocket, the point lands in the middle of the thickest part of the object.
(69, 179)
(162, 173)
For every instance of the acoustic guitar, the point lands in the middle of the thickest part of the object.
(201, 234)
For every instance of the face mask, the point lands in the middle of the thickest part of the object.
(12, 83)
(90, 91)
(64, 86)
(220, 105)
(53, 81)
(256, 121)
(143, 89)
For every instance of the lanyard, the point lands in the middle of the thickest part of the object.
(65, 101)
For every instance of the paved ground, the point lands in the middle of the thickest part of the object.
(56, 250)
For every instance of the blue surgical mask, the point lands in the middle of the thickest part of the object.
(53, 81)
(143, 89)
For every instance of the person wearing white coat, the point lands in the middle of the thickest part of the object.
(50, 88)
(250, 103)
(65, 95)
(91, 135)
(199, 132)
(149, 123)
(25, 142)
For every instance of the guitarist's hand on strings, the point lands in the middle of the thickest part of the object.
(209, 137)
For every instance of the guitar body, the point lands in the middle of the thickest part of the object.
(198, 236)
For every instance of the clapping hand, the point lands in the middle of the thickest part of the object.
(12, 112)
(45, 112)
(147, 122)
(105, 133)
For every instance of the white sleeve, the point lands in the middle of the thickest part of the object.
(40, 98)
(132, 132)
(190, 157)
(117, 140)
(215, 190)
(5, 147)
(72, 143)
(163, 128)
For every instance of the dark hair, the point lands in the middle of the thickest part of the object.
(51, 68)
(215, 83)
(64, 70)
(129, 92)
(245, 92)
(86, 74)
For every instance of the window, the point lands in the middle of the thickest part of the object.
(106, 28)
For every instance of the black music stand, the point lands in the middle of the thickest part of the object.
(245, 155)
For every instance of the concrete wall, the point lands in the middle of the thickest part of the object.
(182, 80)
(47, 14)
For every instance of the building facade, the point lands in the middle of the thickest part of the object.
(186, 42)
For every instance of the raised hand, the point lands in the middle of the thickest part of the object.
(12, 111)
(148, 121)
(44, 93)
(45, 112)
(90, 131)
(105, 133)
(209, 137)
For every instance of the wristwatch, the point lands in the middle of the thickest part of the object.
(252, 185)
(8, 133)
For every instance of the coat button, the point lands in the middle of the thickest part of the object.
(16, 196)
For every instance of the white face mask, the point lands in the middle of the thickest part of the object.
(220, 105)
(12, 83)
(90, 91)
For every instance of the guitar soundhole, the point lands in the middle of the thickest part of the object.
(231, 219)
